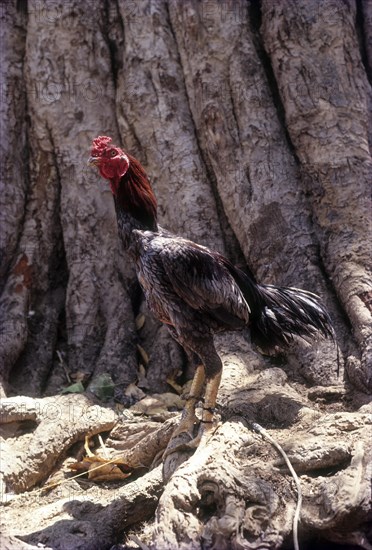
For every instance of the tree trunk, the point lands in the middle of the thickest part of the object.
(253, 121)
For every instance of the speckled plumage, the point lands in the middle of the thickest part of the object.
(186, 285)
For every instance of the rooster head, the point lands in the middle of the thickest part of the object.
(128, 181)
(111, 161)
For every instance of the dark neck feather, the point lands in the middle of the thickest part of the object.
(135, 197)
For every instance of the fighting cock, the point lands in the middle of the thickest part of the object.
(197, 292)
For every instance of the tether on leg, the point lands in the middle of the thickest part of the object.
(180, 442)
(213, 369)
(210, 398)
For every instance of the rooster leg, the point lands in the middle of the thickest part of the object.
(210, 398)
(213, 370)
(206, 424)
(188, 417)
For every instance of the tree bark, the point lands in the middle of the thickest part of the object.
(253, 121)
(329, 130)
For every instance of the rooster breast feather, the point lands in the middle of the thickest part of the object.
(201, 279)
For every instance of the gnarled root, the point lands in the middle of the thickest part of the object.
(37, 432)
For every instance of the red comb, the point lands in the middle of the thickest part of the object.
(100, 144)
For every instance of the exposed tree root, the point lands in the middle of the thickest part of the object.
(93, 521)
(230, 493)
(233, 492)
(30, 453)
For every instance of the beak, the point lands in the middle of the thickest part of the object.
(93, 161)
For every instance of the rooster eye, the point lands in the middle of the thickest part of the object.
(113, 153)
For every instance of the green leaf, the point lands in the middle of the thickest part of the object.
(103, 387)
(74, 388)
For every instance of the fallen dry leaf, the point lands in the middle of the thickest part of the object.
(140, 321)
(144, 355)
(177, 387)
(101, 469)
(158, 404)
(134, 392)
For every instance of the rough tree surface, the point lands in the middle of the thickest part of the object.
(253, 120)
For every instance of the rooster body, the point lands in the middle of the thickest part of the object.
(187, 286)
(197, 292)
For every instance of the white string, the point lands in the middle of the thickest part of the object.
(259, 429)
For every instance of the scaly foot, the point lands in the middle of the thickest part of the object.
(185, 430)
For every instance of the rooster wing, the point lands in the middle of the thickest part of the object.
(202, 280)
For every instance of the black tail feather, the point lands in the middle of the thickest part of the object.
(280, 313)
(289, 312)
